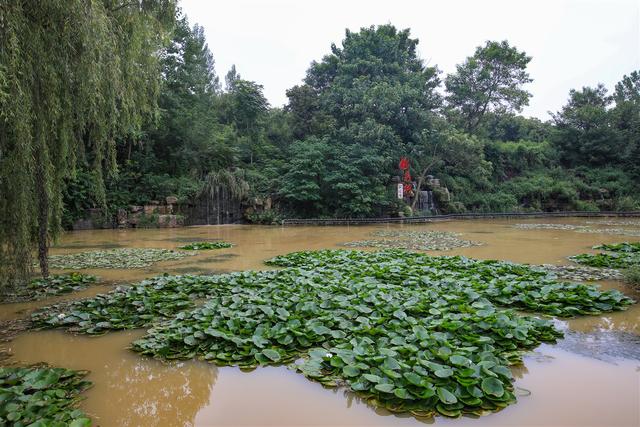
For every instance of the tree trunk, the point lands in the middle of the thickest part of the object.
(43, 218)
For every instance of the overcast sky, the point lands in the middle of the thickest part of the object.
(573, 43)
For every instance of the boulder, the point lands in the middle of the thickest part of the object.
(171, 200)
(150, 209)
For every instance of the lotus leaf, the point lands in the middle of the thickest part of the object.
(42, 396)
(409, 331)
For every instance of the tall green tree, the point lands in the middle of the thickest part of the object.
(583, 134)
(75, 76)
(491, 80)
(626, 119)
(189, 139)
(370, 99)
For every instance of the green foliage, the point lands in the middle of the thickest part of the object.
(622, 256)
(53, 285)
(414, 240)
(200, 246)
(115, 258)
(359, 109)
(42, 396)
(413, 331)
(270, 217)
(620, 247)
(583, 133)
(632, 276)
(76, 76)
(490, 80)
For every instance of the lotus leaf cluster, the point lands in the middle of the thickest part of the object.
(580, 228)
(414, 240)
(42, 396)
(54, 285)
(582, 273)
(128, 307)
(405, 330)
(620, 255)
(115, 258)
(531, 226)
(200, 246)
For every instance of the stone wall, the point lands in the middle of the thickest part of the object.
(153, 215)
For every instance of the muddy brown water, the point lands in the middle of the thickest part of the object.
(576, 383)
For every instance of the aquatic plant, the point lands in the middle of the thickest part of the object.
(579, 229)
(115, 258)
(414, 240)
(199, 246)
(42, 396)
(581, 273)
(620, 255)
(55, 285)
(127, 307)
(408, 331)
(620, 247)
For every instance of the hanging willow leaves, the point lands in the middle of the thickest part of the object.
(75, 76)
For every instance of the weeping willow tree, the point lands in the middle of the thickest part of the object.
(224, 188)
(76, 76)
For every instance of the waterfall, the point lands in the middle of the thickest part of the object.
(426, 202)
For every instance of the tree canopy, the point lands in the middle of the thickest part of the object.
(106, 104)
(75, 77)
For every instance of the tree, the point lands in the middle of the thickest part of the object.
(490, 80)
(371, 99)
(189, 139)
(301, 184)
(244, 106)
(583, 133)
(626, 119)
(76, 75)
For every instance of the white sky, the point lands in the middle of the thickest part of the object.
(573, 43)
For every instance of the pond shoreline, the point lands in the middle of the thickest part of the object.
(461, 216)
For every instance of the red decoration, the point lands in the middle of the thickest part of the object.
(406, 179)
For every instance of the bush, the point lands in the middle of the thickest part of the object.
(632, 276)
(270, 217)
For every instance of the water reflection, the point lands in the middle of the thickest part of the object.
(128, 390)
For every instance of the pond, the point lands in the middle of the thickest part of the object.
(590, 378)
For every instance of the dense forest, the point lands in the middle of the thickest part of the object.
(120, 104)
(333, 150)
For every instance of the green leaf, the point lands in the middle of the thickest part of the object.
(492, 386)
(446, 396)
(273, 355)
(372, 378)
(80, 422)
(443, 373)
(385, 388)
(402, 393)
(350, 371)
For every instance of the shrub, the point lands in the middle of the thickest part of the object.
(632, 276)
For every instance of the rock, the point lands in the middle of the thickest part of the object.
(170, 221)
(171, 200)
(150, 209)
(122, 218)
(135, 209)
